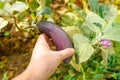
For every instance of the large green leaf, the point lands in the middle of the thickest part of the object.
(80, 39)
(95, 22)
(107, 11)
(83, 48)
(112, 33)
(74, 29)
(94, 5)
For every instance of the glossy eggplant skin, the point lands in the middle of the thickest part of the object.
(57, 34)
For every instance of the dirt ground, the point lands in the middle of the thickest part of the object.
(16, 48)
(15, 51)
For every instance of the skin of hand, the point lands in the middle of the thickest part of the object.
(44, 61)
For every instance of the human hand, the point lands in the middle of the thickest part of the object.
(44, 61)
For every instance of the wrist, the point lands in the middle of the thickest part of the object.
(31, 74)
(35, 72)
(22, 76)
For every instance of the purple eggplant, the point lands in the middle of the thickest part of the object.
(57, 34)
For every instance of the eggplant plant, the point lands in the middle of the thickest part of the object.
(99, 31)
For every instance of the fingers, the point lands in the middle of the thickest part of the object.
(49, 41)
(46, 42)
(42, 41)
(43, 37)
(66, 53)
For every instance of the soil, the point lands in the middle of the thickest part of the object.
(15, 51)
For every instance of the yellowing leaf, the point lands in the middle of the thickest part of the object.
(85, 52)
(74, 64)
(106, 52)
(3, 23)
(83, 48)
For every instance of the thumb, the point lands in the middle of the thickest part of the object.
(66, 53)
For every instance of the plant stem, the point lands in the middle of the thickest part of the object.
(84, 77)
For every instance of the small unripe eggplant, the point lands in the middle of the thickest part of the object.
(57, 34)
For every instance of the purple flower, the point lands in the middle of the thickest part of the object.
(105, 42)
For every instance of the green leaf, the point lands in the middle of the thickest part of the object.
(74, 29)
(48, 3)
(2, 5)
(94, 5)
(69, 19)
(112, 33)
(6, 33)
(75, 18)
(107, 11)
(95, 22)
(80, 38)
(33, 5)
(45, 10)
(19, 6)
(79, 12)
(83, 48)
(5, 77)
(22, 16)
